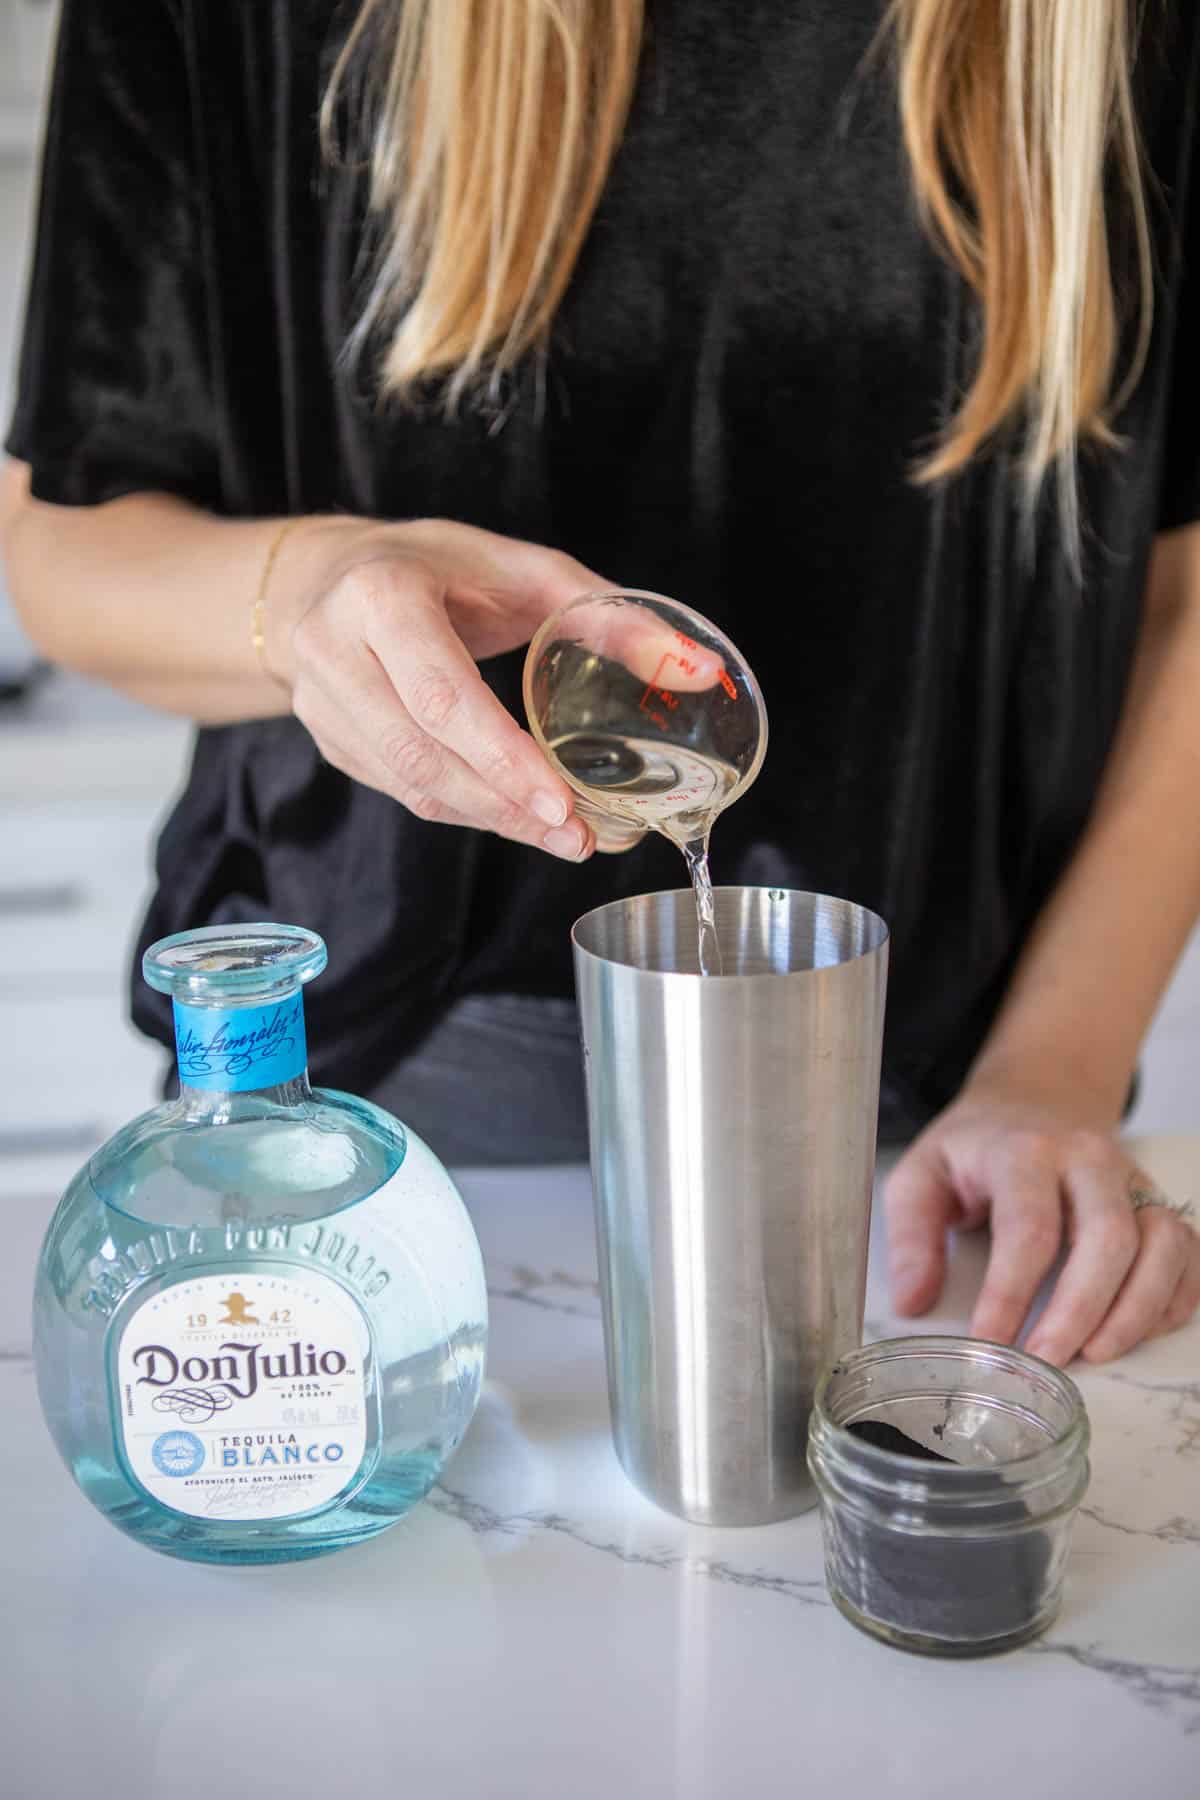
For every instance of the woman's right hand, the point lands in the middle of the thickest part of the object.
(376, 630)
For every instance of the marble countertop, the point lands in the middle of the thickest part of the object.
(536, 1629)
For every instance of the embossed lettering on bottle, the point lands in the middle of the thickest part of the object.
(244, 1395)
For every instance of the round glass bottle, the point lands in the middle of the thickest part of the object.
(260, 1319)
(960, 1548)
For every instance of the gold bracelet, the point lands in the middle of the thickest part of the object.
(258, 636)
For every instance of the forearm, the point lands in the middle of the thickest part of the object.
(148, 594)
(1102, 951)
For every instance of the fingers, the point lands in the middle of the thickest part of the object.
(498, 589)
(1148, 1293)
(1026, 1217)
(920, 1205)
(525, 583)
(1186, 1297)
(456, 714)
(1107, 1241)
(364, 730)
(1026, 1168)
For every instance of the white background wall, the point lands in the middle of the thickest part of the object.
(84, 778)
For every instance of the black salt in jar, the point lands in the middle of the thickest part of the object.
(949, 1472)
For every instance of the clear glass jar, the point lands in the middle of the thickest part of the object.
(260, 1318)
(960, 1557)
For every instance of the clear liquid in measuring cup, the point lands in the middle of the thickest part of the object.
(665, 786)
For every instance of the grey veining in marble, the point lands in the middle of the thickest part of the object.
(537, 1629)
(1171, 1531)
(483, 1521)
(573, 1295)
(1173, 1692)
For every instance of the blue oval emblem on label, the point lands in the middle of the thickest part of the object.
(177, 1453)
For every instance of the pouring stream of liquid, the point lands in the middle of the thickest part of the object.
(695, 854)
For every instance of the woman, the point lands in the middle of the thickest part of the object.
(869, 337)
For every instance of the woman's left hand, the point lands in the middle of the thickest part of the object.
(1041, 1169)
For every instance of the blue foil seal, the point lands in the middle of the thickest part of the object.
(237, 1048)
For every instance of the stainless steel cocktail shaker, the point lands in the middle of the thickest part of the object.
(732, 1122)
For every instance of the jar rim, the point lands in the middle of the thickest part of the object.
(915, 1471)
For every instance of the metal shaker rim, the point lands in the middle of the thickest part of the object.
(843, 931)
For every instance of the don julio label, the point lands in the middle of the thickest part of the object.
(244, 1396)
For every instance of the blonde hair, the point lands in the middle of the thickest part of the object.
(492, 125)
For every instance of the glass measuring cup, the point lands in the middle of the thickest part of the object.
(648, 712)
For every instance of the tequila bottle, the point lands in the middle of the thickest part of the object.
(260, 1319)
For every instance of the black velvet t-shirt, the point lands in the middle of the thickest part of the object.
(757, 345)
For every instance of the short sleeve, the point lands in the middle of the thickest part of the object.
(1179, 502)
(113, 393)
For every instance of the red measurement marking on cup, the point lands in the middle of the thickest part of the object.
(654, 687)
(658, 694)
(689, 668)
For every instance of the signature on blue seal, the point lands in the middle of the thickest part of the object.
(177, 1453)
(231, 1051)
